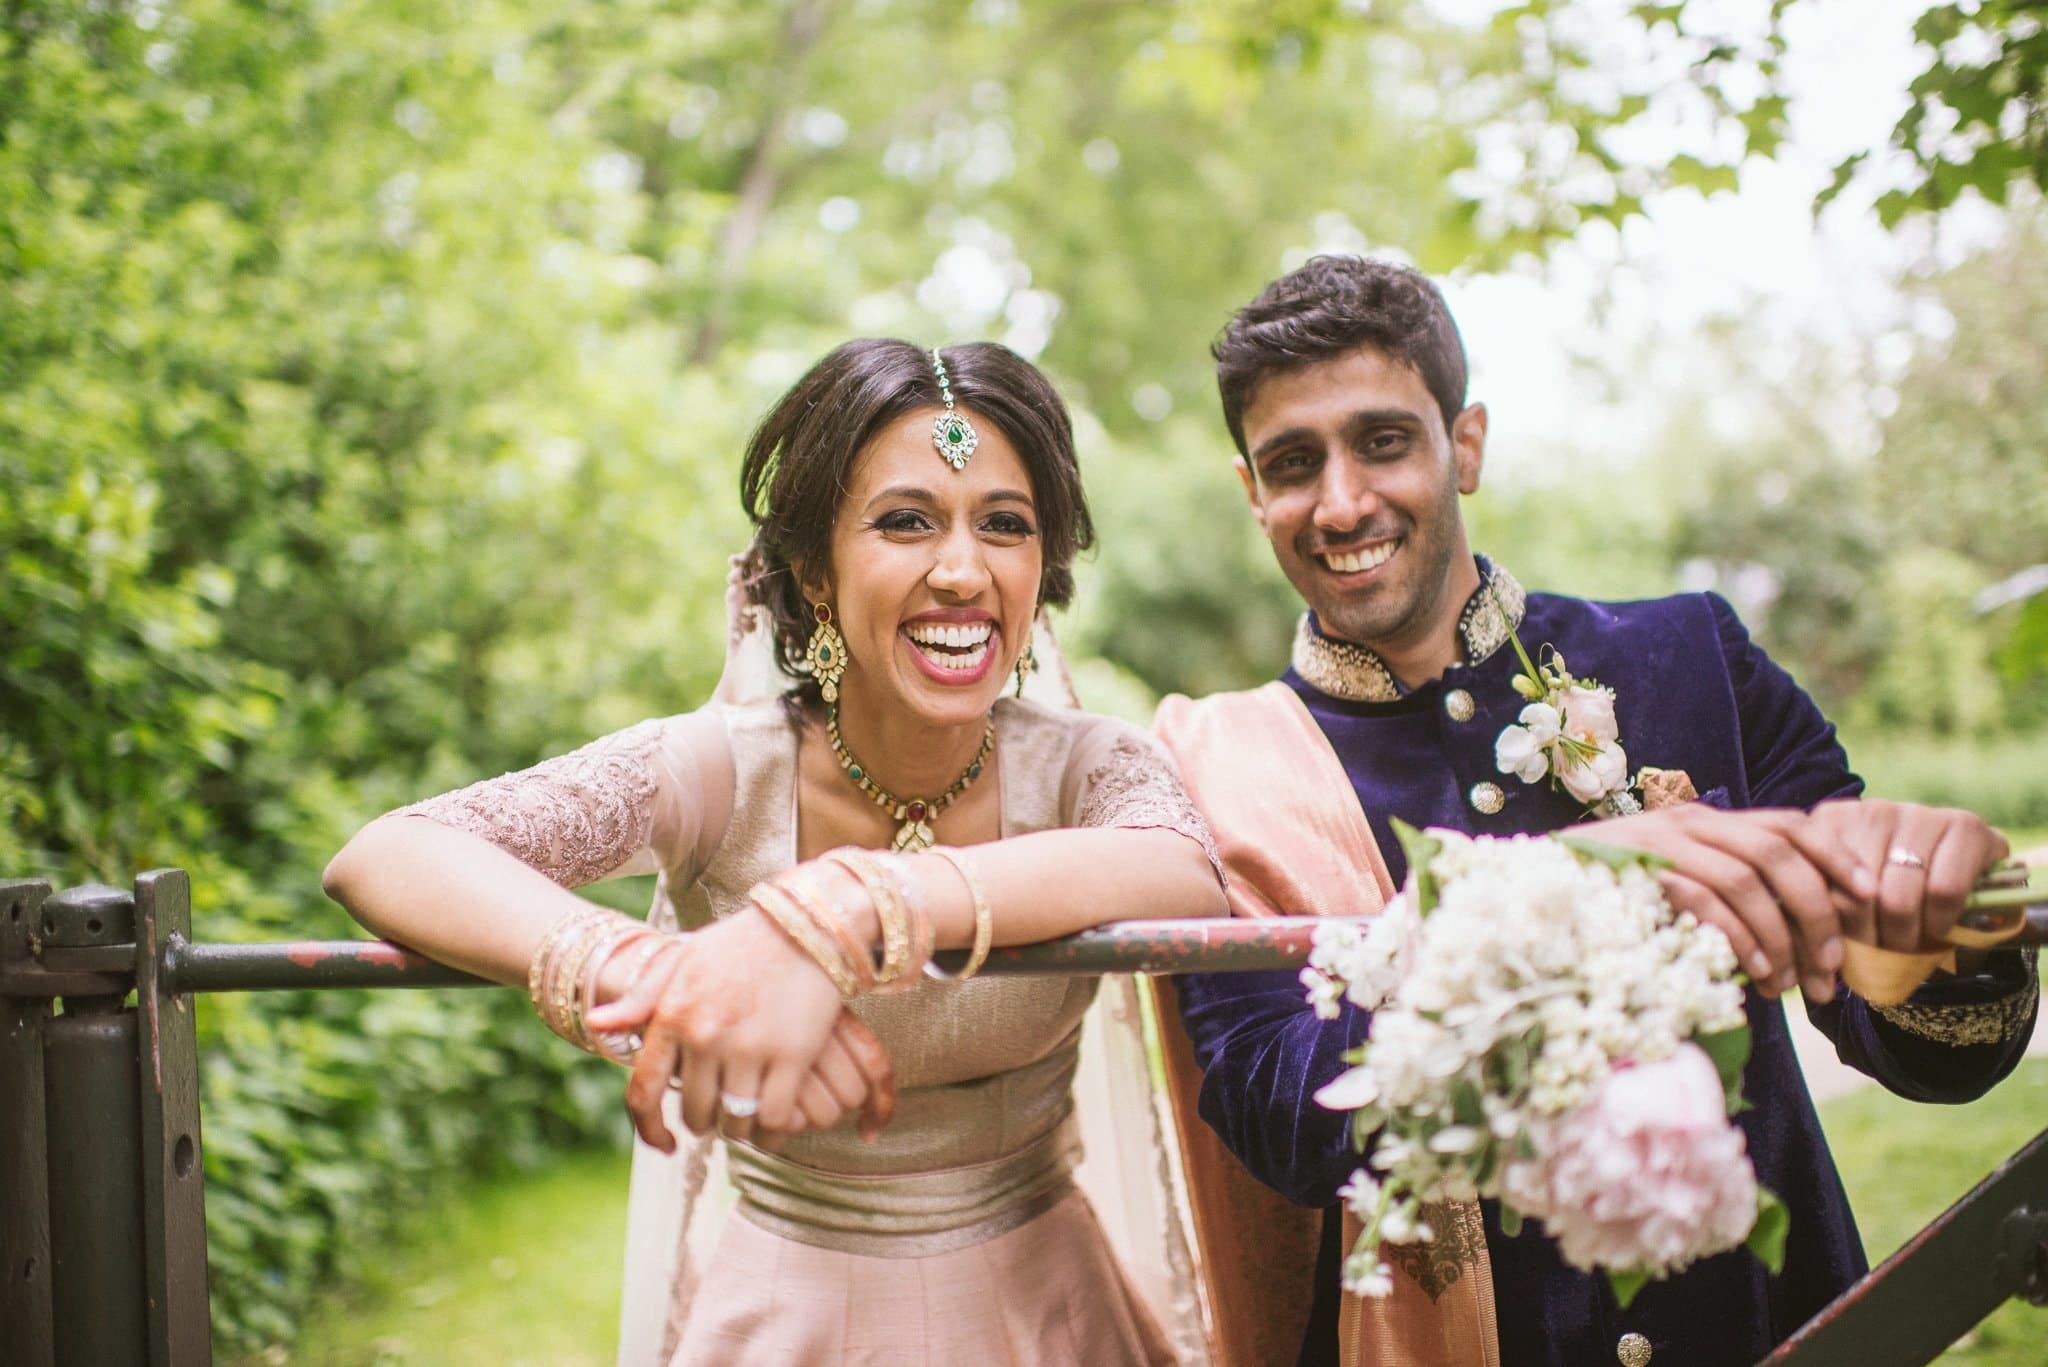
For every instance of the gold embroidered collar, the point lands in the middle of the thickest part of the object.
(1352, 672)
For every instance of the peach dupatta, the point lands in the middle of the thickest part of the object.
(1295, 842)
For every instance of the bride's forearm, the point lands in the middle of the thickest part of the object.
(450, 895)
(1054, 883)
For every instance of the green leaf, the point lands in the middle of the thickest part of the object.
(1729, 1049)
(1466, 1107)
(1616, 857)
(1767, 1237)
(1625, 1285)
(1510, 1220)
(1420, 847)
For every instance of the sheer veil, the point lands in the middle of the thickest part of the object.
(1132, 1169)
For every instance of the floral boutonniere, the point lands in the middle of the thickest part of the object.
(1569, 735)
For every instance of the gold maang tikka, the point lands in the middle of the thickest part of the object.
(951, 432)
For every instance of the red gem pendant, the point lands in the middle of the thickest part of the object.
(915, 811)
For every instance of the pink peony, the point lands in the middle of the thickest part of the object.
(1647, 1174)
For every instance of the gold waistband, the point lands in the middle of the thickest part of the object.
(906, 1215)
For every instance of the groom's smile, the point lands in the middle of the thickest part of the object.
(1361, 559)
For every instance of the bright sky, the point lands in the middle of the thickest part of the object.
(1756, 250)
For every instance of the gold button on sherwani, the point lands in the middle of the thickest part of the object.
(1458, 705)
(1633, 1351)
(1487, 798)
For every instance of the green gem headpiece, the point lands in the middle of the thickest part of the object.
(952, 434)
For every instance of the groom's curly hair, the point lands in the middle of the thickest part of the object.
(1334, 305)
(800, 463)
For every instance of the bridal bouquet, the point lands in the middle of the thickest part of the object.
(1548, 1032)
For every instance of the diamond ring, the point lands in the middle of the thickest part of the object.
(739, 1107)
(1904, 858)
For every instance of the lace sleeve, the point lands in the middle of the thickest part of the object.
(578, 818)
(1133, 784)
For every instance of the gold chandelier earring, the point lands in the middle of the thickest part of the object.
(1027, 665)
(825, 656)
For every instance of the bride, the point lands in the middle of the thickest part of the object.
(902, 1144)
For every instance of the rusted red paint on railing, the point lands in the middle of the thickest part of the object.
(307, 953)
(290, 964)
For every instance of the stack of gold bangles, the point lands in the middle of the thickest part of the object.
(562, 976)
(796, 905)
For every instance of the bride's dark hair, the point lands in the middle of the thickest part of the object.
(800, 461)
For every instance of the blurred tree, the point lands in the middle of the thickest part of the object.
(1978, 120)
(1964, 464)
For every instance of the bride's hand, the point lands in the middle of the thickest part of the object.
(742, 1013)
(853, 1074)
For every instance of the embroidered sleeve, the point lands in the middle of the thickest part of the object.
(1978, 1022)
(1135, 786)
(578, 818)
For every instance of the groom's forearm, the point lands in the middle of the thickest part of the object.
(1263, 1054)
(1950, 1042)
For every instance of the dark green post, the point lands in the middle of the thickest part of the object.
(94, 1132)
(173, 1185)
(26, 1326)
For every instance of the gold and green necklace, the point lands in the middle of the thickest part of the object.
(916, 814)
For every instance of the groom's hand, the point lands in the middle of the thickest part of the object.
(1776, 882)
(1926, 859)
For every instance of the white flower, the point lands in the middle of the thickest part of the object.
(1351, 1090)
(1325, 994)
(1456, 1139)
(1589, 715)
(1518, 752)
(1402, 1224)
(1366, 1275)
(1589, 780)
(1361, 1195)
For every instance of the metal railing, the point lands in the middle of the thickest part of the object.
(102, 1212)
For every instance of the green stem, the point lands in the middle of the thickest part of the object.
(2001, 899)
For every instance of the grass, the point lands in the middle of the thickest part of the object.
(522, 1271)
(1905, 1163)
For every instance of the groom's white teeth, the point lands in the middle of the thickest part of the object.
(1351, 562)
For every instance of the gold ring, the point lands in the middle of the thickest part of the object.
(1901, 857)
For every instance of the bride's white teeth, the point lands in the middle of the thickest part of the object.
(951, 637)
(1354, 561)
(955, 660)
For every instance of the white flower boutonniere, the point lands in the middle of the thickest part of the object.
(1567, 734)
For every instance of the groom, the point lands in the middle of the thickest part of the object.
(1343, 386)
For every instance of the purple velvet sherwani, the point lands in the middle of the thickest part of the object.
(1693, 692)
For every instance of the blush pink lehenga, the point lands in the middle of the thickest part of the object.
(961, 1235)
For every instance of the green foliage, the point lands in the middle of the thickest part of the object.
(372, 378)
(2002, 777)
(1976, 121)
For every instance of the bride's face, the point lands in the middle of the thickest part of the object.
(935, 572)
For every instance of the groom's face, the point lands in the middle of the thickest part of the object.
(1355, 481)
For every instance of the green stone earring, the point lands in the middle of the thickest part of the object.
(825, 656)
